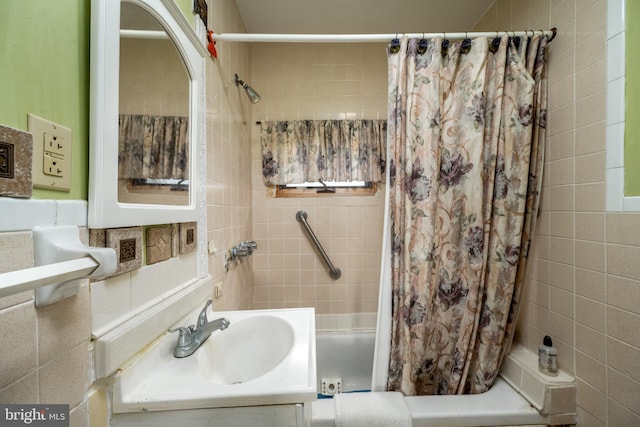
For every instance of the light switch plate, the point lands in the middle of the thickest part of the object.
(51, 154)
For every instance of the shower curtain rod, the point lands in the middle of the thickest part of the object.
(367, 38)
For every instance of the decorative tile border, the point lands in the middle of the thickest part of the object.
(175, 240)
(188, 240)
(16, 153)
(159, 244)
(98, 237)
(162, 242)
(127, 242)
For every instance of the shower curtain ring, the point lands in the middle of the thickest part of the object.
(422, 45)
(444, 47)
(465, 46)
(394, 47)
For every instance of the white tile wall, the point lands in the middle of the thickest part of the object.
(583, 259)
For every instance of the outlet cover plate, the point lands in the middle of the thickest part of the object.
(50, 141)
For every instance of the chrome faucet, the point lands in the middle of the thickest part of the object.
(192, 337)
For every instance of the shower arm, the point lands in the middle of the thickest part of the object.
(335, 273)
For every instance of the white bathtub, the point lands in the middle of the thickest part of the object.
(348, 356)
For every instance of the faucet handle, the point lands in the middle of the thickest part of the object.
(251, 246)
(182, 338)
(239, 251)
(202, 317)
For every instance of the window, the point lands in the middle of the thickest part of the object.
(324, 189)
(622, 191)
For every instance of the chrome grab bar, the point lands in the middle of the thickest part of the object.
(334, 272)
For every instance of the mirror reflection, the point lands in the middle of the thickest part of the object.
(153, 128)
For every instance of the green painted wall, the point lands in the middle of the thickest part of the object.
(44, 70)
(186, 6)
(632, 97)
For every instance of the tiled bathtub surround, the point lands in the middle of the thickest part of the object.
(229, 185)
(317, 81)
(583, 283)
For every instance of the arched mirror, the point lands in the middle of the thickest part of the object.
(147, 115)
(153, 113)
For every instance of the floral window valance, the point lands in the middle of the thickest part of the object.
(328, 150)
(153, 147)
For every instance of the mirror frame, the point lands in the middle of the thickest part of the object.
(104, 209)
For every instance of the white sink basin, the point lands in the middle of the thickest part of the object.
(247, 349)
(264, 357)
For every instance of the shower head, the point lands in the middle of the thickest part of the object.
(252, 94)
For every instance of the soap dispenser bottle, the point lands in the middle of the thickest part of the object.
(548, 357)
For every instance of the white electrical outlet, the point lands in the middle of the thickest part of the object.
(218, 289)
(52, 166)
(51, 154)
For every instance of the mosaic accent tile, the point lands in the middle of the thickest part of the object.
(98, 237)
(127, 242)
(188, 240)
(158, 244)
(16, 153)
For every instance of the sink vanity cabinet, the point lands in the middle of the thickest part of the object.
(259, 371)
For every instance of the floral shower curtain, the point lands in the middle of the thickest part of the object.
(329, 150)
(153, 147)
(466, 141)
